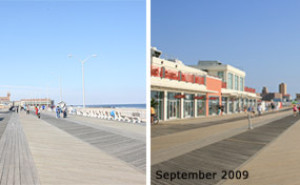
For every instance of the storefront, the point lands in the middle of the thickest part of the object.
(224, 104)
(201, 104)
(173, 105)
(213, 105)
(236, 105)
(230, 105)
(158, 97)
(188, 110)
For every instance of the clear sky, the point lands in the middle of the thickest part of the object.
(36, 38)
(261, 37)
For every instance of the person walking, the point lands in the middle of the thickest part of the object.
(65, 112)
(222, 110)
(259, 109)
(295, 110)
(36, 110)
(57, 112)
(39, 112)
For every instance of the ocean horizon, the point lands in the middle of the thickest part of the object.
(140, 106)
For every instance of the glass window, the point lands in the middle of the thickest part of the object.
(201, 105)
(241, 84)
(158, 97)
(173, 105)
(221, 75)
(188, 105)
(236, 82)
(230, 81)
(224, 104)
(213, 105)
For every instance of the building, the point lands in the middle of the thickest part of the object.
(33, 102)
(272, 96)
(5, 100)
(235, 95)
(298, 97)
(281, 96)
(282, 89)
(265, 90)
(190, 91)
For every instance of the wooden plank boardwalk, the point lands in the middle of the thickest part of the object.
(16, 163)
(227, 154)
(132, 151)
(4, 118)
(160, 130)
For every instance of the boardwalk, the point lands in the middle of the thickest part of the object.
(16, 164)
(55, 151)
(160, 130)
(132, 151)
(227, 154)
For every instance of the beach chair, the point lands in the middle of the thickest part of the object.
(108, 115)
(99, 114)
(118, 116)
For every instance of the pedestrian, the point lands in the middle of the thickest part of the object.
(39, 112)
(295, 110)
(222, 110)
(36, 110)
(17, 109)
(65, 112)
(272, 106)
(57, 112)
(259, 109)
(299, 109)
(219, 110)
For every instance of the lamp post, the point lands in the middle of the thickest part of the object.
(82, 65)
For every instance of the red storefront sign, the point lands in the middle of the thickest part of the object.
(172, 75)
(199, 97)
(179, 96)
(155, 71)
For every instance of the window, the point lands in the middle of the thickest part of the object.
(230, 80)
(236, 82)
(221, 75)
(241, 84)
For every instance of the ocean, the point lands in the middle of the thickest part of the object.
(140, 106)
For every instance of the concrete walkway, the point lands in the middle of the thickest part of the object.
(278, 163)
(63, 159)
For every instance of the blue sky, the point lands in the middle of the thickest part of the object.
(259, 36)
(36, 38)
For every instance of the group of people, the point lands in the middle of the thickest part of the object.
(61, 111)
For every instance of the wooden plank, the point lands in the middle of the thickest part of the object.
(16, 163)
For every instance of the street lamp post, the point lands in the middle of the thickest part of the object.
(82, 66)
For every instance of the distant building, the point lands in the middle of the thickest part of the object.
(5, 100)
(298, 97)
(286, 97)
(265, 90)
(44, 101)
(282, 89)
(272, 97)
